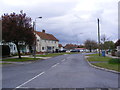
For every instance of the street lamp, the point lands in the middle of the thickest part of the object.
(34, 29)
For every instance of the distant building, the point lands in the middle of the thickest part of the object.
(46, 42)
(81, 49)
(61, 47)
(70, 46)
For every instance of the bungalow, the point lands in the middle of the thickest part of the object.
(13, 48)
(46, 42)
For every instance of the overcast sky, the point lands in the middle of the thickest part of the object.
(70, 21)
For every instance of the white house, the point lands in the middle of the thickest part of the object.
(46, 42)
(13, 48)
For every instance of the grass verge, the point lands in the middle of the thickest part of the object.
(21, 60)
(4, 63)
(112, 63)
(98, 58)
(93, 55)
(108, 66)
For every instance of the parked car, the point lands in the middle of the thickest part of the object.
(62, 50)
(75, 50)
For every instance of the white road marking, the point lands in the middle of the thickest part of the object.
(30, 80)
(63, 60)
(24, 87)
(55, 65)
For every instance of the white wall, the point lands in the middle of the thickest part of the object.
(44, 44)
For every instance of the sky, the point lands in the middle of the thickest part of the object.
(70, 21)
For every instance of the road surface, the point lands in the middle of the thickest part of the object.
(66, 71)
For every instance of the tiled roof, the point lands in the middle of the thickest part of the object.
(60, 45)
(71, 46)
(117, 43)
(46, 36)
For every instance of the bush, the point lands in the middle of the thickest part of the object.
(5, 50)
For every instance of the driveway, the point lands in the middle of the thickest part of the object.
(65, 71)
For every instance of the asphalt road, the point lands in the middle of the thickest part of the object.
(66, 71)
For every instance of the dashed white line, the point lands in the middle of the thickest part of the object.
(30, 80)
(55, 65)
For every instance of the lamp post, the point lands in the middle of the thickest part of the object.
(34, 28)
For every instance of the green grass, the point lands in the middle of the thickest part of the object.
(93, 55)
(4, 63)
(115, 67)
(98, 58)
(112, 63)
(54, 54)
(21, 60)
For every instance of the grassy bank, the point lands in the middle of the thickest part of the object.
(21, 60)
(112, 64)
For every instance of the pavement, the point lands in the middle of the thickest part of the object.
(25, 56)
(111, 56)
(65, 71)
(26, 62)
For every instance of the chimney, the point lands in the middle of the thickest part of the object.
(43, 31)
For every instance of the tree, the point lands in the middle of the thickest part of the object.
(109, 45)
(104, 38)
(91, 44)
(17, 28)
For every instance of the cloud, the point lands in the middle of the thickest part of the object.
(67, 19)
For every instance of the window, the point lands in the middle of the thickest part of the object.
(42, 48)
(14, 47)
(38, 40)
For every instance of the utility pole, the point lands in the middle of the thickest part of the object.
(98, 36)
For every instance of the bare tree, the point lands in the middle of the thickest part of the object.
(104, 38)
(91, 45)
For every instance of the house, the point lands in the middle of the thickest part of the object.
(46, 42)
(13, 48)
(117, 44)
